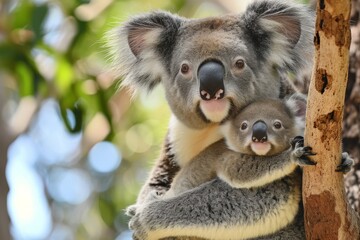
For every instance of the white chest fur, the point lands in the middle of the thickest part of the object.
(188, 142)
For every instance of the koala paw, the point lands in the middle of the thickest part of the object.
(135, 208)
(346, 163)
(300, 154)
(131, 210)
(297, 140)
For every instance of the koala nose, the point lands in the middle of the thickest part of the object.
(259, 132)
(211, 76)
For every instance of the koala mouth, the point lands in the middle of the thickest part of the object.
(215, 110)
(260, 148)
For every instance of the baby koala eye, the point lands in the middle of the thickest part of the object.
(244, 126)
(277, 124)
(184, 68)
(240, 64)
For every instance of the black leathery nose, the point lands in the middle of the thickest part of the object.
(259, 131)
(211, 76)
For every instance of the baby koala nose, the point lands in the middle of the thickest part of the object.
(211, 76)
(259, 131)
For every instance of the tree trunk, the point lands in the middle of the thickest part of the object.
(351, 133)
(327, 214)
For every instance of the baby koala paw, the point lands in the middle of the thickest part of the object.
(346, 163)
(300, 154)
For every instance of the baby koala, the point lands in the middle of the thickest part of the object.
(256, 149)
(258, 157)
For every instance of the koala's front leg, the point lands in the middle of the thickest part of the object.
(199, 170)
(249, 171)
(161, 175)
(215, 210)
(346, 163)
(301, 155)
(159, 181)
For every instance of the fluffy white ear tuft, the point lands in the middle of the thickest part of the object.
(140, 48)
(142, 39)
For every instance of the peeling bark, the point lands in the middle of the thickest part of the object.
(351, 133)
(326, 228)
(327, 214)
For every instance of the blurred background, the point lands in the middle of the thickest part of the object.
(74, 149)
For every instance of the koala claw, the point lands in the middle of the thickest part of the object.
(304, 160)
(297, 140)
(346, 163)
(307, 151)
(300, 153)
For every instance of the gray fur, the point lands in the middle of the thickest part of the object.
(241, 165)
(183, 208)
(237, 167)
(199, 182)
(290, 114)
(188, 209)
(270, 36)
(150, 49)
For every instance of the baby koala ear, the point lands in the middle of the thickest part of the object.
(141, 46)
(297, 104)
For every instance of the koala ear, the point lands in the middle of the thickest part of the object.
(296, 103)
(142, 47)
(279, 30)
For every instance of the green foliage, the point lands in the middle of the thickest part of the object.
(55, 49)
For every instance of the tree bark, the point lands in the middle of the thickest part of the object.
(327, 214)
(351, 133)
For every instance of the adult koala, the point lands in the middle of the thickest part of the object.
(209, 68)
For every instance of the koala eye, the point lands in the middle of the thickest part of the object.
(244, 126)
(277, 124)
(240, 64)
(184, 68)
